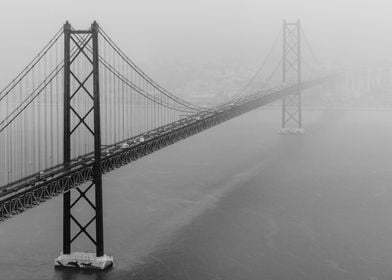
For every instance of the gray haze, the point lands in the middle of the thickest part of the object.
(238, 201)
(160, 35)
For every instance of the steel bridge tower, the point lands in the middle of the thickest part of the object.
(82, 45)
(292, 104)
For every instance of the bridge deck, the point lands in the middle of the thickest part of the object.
(19, 196)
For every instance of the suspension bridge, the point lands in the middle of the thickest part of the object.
(82, 108)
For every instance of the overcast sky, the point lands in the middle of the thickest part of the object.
(340, 31)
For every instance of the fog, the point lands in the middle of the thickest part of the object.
(160, 35)
(237, 201)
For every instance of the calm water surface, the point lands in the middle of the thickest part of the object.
(238, 201)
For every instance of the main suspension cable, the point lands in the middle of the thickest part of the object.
(144, 75)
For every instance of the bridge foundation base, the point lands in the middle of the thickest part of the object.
(291, 131)
(80, 260)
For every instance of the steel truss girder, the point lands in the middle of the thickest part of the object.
(28, 195)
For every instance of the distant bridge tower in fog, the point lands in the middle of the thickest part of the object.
(291, 73)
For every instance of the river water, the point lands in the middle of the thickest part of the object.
(238, 201)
